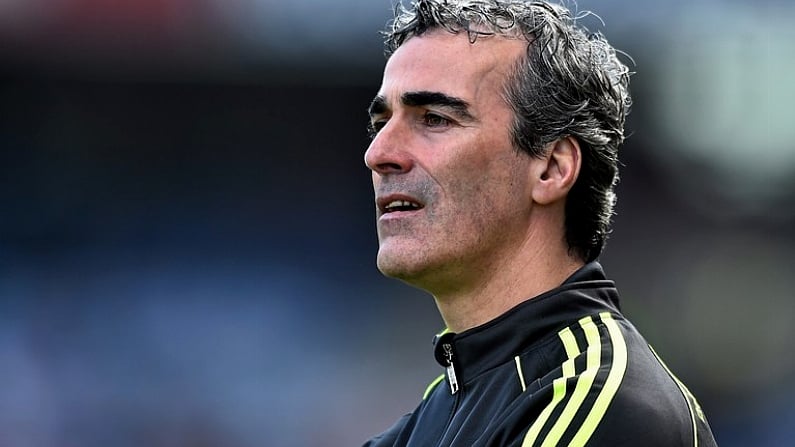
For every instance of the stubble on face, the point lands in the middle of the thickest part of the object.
(465, 226)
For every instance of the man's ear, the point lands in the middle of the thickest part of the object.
(558, 171)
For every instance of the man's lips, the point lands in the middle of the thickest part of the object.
(397, 203)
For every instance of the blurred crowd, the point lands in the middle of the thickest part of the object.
(187, 241)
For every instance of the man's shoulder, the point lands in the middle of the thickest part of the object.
(610, 388)
(390, 436)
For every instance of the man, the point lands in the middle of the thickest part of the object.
(494, 158)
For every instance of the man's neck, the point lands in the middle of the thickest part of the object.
(517, 279)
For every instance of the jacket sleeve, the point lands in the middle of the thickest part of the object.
(629, 421)
(623, 397)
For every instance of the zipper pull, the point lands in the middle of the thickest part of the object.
(451, 378)
(444, 351)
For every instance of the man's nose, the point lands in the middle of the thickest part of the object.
(389, 152)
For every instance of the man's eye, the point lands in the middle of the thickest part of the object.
(434, 120)
(374, 127)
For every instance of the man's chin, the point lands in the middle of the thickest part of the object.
(399, 267)
(393, 268)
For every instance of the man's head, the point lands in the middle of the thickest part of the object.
(482, 103)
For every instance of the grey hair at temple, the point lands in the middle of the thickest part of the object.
(571, 83)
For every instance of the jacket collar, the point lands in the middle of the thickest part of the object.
(476, 350)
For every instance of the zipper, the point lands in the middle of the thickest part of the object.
(445, 354)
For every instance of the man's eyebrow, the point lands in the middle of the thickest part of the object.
(425, 98)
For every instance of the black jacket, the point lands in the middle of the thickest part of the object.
(562, 369)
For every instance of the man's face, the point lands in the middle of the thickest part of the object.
(452, 193)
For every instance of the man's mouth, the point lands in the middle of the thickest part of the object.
(398, 203)
(401, 205)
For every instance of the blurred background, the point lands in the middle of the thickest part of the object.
(187, 240)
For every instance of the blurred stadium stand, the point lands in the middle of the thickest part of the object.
(187, 242)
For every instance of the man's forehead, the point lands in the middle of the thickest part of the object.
(450, 63)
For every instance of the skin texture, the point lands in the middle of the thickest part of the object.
(489, 231)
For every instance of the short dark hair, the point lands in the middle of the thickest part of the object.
(571, 83)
